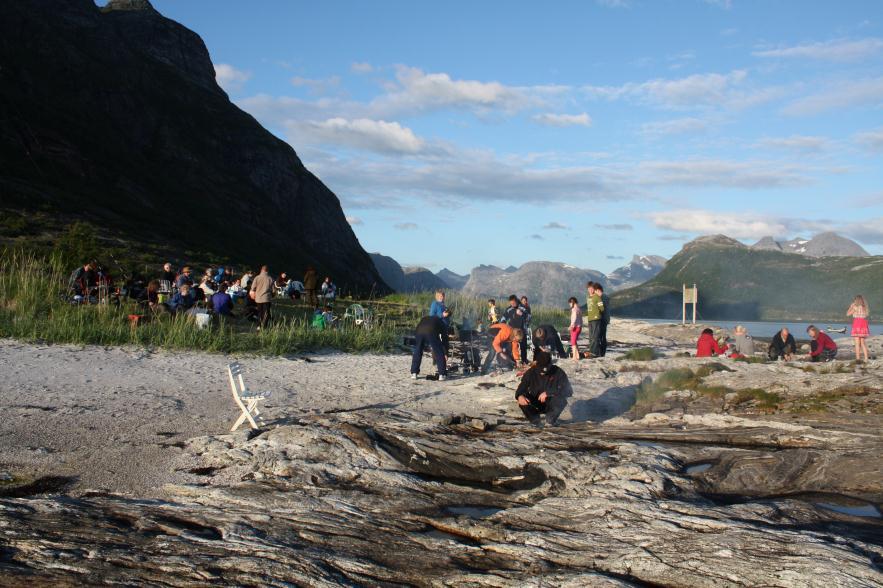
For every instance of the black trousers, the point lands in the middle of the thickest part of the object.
(602, 337)
(552, 408)
(826, 355)
(553, 342)
(263, 313)
(438, 353)
(595, 338)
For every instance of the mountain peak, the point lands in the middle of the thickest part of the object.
(827, 244)
(130, 5)
(714, 241)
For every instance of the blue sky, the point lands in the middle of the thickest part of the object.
(460, 133)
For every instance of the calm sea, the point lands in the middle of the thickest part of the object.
(768, 329)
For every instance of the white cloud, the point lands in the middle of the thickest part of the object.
(834, 50)
(844, 95)
(695, 91)
(738, 226)
(872, 139)
(536, 237)
(371, 135)
(354, 221)
(678, 126)
(230, 78)
(556, 225)
(721, 173)
(551, 119)
(405, 226)
(616, 227)
(361, 67)
(800, 143)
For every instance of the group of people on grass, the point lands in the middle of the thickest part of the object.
(215, 292)
(783, 346)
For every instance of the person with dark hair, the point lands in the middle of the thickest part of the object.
(707, 345)
(222, 304)
(543, 391)
(151, 298)
(576, 326)
(822, 347)
(605, 318)
(83, 282)
(546, 338)
(262, 290)
(515, 316)
(594, 316)
(782, 346)
(429, 332)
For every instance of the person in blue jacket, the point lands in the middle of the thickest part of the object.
(438, 309)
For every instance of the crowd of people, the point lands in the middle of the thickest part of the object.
(783, 345)
(216, 292)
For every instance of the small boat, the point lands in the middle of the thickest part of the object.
(835, 330)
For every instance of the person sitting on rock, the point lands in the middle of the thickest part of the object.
(707, 346)
(543, 390)
(782, 346)
(546, 338)
(822, 347)
(743, 346)
(429, 332)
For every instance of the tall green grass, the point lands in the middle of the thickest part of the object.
(33, 307)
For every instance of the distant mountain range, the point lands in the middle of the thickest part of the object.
(543, 282)
(822, 245)
(409, 279)
(640, 269)
(739, 282)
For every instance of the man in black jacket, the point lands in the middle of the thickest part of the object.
(783, 346)
(546, 338)
(543, 390)
(516, 317)
(429, 332)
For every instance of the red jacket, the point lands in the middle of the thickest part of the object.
(823, 342)
(707, 346)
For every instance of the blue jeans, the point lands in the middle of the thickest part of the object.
(438, 353)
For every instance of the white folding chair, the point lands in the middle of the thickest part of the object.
(245, 399)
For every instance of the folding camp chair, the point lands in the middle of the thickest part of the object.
(245, 399)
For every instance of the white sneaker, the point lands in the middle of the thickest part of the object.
(413, 376)
(442, 378)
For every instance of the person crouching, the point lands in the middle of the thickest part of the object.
(429, 332)
(822, 347)
(543, 391)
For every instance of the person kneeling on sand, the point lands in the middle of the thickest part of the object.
(546, 338)
(822, 347)
(429, 332)
(782, 346)
(707, 345)
(543, 390)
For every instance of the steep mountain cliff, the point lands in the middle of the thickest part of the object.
(640, 269)
(742, 283)
(543, 282)
(453, 280)
(113, 116)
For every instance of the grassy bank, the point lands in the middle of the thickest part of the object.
(33, 308)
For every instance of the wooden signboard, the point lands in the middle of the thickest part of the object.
(691, 296)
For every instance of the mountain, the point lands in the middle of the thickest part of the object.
(744, 283)
(822, 245)
(640, 269)
(409, 279)
(112, 116)
(420, 279)
(452, 280)
(543, 282)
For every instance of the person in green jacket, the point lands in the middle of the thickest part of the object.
(594, 317)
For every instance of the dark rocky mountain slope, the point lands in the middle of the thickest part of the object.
(113, 116)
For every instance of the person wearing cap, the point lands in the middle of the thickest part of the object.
(543, 391)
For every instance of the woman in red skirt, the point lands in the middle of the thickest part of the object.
(860, 332)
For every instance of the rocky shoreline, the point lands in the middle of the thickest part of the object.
(369, 479)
